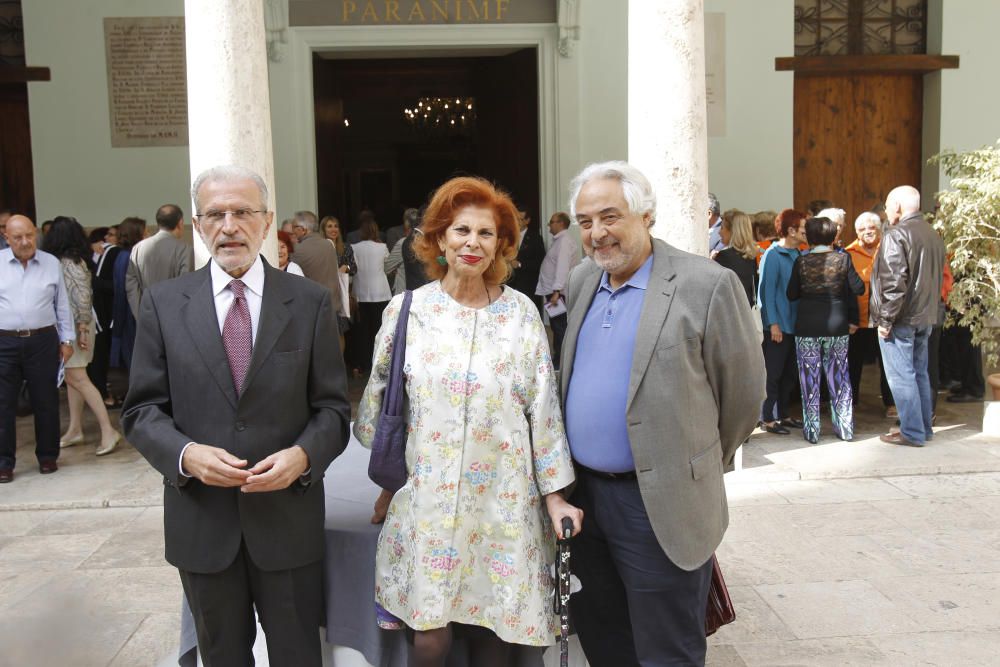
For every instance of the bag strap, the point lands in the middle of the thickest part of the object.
(392, 402)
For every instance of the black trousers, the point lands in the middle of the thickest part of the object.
(863, 349)
(782, 371)
(963, 362)
(364, 330)
(97, 369)
(636, 607)
(289, 604)
(34, 360)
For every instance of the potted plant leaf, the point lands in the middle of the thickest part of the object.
(968, 218)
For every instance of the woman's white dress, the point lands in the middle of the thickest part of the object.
(467, 539)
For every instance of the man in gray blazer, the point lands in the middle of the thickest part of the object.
(239, 400)
(316, 256)
(662, 380)
(160, 257)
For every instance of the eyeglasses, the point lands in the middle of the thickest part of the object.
(239, 215)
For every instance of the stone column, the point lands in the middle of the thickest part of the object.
(229, 109)
(667, 127)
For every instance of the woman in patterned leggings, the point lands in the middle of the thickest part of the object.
(825, 284)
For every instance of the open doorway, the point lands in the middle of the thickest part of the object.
(378, 148)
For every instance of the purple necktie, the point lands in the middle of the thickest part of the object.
(237, 336)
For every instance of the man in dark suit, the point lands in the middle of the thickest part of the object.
(662, 379)
(528, 264)
(238, 398)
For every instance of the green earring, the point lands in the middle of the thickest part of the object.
(442, 261)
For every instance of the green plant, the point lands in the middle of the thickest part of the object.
(968, 218)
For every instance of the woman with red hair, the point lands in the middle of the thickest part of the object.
(778, 315)
(285, 250)
(467, 543)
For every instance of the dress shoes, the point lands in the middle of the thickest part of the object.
(896, 438)
(47, 467)
(6, 475)
(964, 398)
(775, 428)
(108, 447)
(792, 422)
(69, 442)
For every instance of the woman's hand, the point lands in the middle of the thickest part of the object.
(776, 334)
(382, 506)
(558, 508)
(81, 336)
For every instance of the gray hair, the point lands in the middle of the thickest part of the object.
(635, 186)
(713, 204)
(228, 172)
(835, 214)
(306, 220)
(867, 217)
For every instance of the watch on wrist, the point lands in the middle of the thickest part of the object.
(66, 342)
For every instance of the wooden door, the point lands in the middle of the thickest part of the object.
(17, 189)
(856, 136)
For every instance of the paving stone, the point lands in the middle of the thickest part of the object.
(920, 514)
(723, 655)
(73, 521)
(941, 552)
(151, 518)
(953, 649)
(755, 620)
(945, 486)
(740, 494)
(17, 523)
(67, 634)
(836, 652)
(143, 590)
(16, 584)
(53, 552)
(154, 642)
(838, 491)
(836, 609)
(947, 602)
(776, 522)
(128, 549)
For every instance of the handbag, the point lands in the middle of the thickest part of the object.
(387, 465)
(720, 610)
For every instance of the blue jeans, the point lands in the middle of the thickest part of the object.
(904, 354)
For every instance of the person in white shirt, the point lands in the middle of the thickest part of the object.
(371, 289)
(562, 256)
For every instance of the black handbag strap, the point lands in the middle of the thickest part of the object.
(392, 402)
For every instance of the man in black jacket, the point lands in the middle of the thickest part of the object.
(905, 291)
(529, 261)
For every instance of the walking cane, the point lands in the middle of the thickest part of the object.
(562, 590)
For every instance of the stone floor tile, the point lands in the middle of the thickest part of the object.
(145, 489)
(951, 649)
(76, 521)
(150, 519)
(128, 549)
(920, 514)
(947, 602)
(838, 491)
(16, 584)
(742, 494)
(755, 620)
(942, 552)
(16, 523)
(153, 643)
(836, 609)
(53, 552)
(945, 486)
(836, 652)
(86, 484)
(723, 655)
(988, 506)
(68, 634)
(143, 590)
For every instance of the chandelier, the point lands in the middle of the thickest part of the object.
(444, 115)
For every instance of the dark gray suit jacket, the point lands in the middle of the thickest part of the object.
(295, 393)
(695, 389)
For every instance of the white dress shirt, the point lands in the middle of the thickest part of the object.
(254, 293)
(559, 261)
(294, 269)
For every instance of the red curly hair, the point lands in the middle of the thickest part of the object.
(448, 200)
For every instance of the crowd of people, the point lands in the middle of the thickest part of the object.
(827, 309)
(238, 374)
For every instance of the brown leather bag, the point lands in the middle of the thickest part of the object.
(720, 609)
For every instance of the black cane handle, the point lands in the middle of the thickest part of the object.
(567, 527)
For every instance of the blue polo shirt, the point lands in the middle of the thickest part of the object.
(598, 389)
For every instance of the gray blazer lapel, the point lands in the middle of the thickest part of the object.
(574, 321)
(202, 322)
(659, 295)
(274, 317)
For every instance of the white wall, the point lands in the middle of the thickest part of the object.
(750, 168)
(76, 170)
(965, 99)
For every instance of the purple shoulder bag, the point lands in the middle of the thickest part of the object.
(387, 465)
